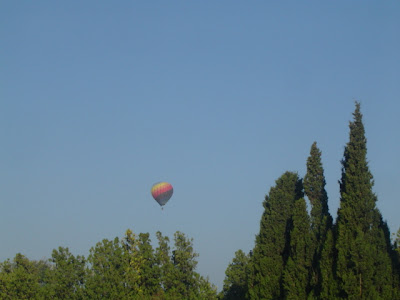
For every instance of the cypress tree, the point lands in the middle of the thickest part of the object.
(271, 249)
(297, 269)
(328, 288)
(321, 220)
(361, 245)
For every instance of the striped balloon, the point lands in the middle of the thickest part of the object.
(162, 192)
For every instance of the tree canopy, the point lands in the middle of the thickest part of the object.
(127, 268)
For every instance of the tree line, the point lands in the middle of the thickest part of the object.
(305, 255)
(127, 268)
(298, 253)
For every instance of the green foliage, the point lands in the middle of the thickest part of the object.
(66, 277)
(105, 278)
(397, 242)
(165, 265)
(22, 278)
(314, 188)
(206, 290)
(364, 268)
(321, 220)
(271, 250)
(149, 281)
(115, 269)
(396, 265)
(297, 269)
(352, 259)
(235, 283)
(328, 282)
(184, 260)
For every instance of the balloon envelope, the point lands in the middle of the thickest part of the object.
(162, 192)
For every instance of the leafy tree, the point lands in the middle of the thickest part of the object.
(321, 220)
(236, 277)
(22, 279)
(106, 275)
(184, 260)
(296, 272)
(165, 265)
(142, 271)
(66, 279)
(132, 264)
(361, 245)
(177, 273)
(149, 281)
(206, 290)
(115, 269)
(271, 249)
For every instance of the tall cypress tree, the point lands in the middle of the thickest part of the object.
(321, 220)
(361, 245)
(271, 249)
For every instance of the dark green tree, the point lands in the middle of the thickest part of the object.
(297, 269)
(387, 285)
(321, 220)
(396, 264)
(361, 245)
(397, 242)
(328, 287)
(236, 277)
(272, 244)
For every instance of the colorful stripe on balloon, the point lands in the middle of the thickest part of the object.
(161, 190)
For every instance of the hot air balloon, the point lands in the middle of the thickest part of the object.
(162, 192)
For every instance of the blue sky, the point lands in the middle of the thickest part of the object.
(100, 99)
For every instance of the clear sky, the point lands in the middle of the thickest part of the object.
(101, 99)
